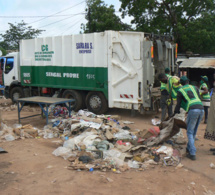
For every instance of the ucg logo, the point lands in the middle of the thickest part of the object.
(44, 47)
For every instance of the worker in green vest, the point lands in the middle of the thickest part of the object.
(164, 97)
(172, 87)
(188, 98)
(205, 96)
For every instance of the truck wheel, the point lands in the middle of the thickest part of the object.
(16, 93)
(96, 102)
(74, 95)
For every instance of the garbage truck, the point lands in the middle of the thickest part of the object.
(111, 69)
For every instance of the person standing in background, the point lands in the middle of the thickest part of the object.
(205, 95)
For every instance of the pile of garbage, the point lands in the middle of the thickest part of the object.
(101, 142)
(18, 132)
(105, 142)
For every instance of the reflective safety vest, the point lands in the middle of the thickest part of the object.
(190, 102)
(207, 95)
(164, 85)
(173, 89)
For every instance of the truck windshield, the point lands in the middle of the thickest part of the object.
(8, 65)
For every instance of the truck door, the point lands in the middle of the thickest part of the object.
(9, 71)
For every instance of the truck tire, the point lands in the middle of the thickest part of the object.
(96, 102)
(74, 95)
(16, 93)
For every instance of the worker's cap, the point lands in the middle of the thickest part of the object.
(167, 70)
(205, 78)
(183, 79)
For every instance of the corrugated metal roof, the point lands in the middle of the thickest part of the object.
(198, 63)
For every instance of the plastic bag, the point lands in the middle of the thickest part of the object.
(17, 126)
(123, 134)
(88, 141)
(118, 162)
(4, 127)
(156, 121)
(9, 137)
(63, 152)
(48, 135)
(69, 144)
(86, 113)
(165, 150)
(112, 153)
(133, 164)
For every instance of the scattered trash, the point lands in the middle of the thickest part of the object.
(85, 159)
(133, 164)
(109, 179)
(2, 150)
(9, 137)
(63, 152)
(103, 142)
(156, 121)
(165, 150)
(212, 166)
(179, 166)
(126, 128)
(128, 122)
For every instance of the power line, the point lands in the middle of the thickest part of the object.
(74, 30)
(59, 26)
(57, 21)
(57, 13)
(73, 25)
(38, 16)
(44, 16)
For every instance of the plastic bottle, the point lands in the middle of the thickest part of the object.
(56, 123)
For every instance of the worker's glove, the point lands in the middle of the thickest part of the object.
(169, 102)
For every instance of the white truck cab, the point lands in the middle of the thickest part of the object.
(11, 71)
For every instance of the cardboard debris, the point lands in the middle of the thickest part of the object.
(109, 135)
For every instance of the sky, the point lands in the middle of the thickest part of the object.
(56, 17)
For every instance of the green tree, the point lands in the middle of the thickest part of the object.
(4, 52)
(100, 17)
(175, 17)
(16, 33)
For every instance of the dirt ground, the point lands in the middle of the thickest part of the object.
(29, 167)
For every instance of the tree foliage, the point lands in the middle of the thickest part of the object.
(185, 19)
(100, 17)
(16, 33)
(4, 52)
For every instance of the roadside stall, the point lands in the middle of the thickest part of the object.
(194, 68)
